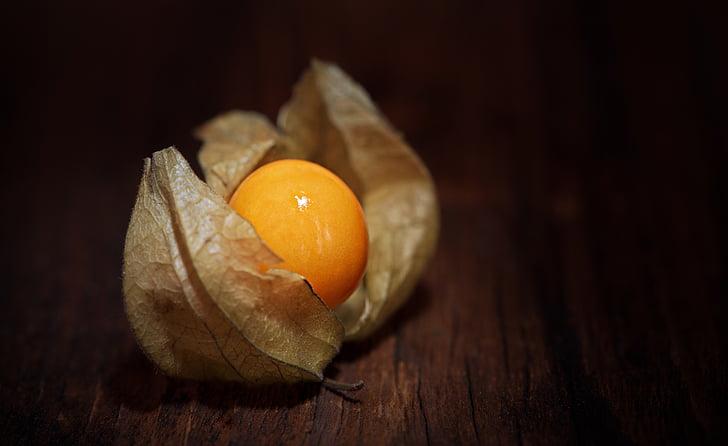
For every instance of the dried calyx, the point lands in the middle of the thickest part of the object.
(196, 300)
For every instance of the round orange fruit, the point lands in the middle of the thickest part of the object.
(311, 219)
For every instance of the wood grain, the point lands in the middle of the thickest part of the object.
(577, 293)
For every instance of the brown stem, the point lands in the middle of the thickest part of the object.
(332, 384)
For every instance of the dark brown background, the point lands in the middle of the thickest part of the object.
(577, 293)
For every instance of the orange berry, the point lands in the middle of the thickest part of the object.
(312, 220)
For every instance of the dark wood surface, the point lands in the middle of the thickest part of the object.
(579, 148)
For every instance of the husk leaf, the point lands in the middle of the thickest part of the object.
(332, 121)
(194, 297)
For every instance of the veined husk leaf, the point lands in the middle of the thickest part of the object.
(332, 121)
(195, 299)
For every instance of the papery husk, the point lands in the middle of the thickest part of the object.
(195, 299)
(332, 121)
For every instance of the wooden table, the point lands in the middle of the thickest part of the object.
(577, 294)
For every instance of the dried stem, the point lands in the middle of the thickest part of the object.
(332, 384)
